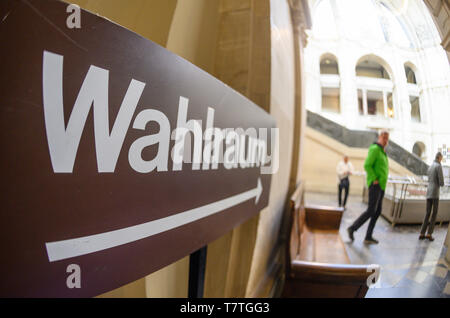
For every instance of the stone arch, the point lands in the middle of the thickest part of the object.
(329, 64)
(409, 65)
(374, 60)
(419, 149)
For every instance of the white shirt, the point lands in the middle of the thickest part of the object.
(344, 169)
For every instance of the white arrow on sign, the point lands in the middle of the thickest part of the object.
(93, 243)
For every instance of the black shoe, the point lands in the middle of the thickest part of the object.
(429, 237)
(350, 234)
(421, 237)
(370, 241)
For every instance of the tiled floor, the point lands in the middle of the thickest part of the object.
(409, 267)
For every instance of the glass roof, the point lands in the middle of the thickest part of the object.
(324, 23)
(367, 21)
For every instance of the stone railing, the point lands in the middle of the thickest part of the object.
(363, 139)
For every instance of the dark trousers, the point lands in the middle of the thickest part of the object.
(343, 185)
(373, 211)
(427, 223)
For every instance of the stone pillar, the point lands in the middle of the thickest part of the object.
(402, 106)
(311, 73)
(435, 98)
(300, 22)
(348, 92)
(364, 98)
(243, 61)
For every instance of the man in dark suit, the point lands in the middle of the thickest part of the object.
(435, 181)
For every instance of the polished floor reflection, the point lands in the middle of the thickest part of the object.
(409, 267)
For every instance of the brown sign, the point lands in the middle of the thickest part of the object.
(118, 157)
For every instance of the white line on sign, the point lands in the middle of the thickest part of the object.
(93, 243)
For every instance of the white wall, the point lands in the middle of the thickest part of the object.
(432, 71)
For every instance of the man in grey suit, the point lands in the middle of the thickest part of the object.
(435, 181)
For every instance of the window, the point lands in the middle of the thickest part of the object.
(414, 98)
(375, 104)
(415, 108)
(370, 68)
(375, 88)
(329, 71)
(330, 99)
(328, 65)
(410, 76)
(390, 105)
(361, 102)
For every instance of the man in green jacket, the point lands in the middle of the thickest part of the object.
(377, 170)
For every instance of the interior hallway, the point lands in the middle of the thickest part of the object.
(409, 267)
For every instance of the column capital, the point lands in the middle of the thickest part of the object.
(301, 19)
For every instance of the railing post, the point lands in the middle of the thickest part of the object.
(197, 267)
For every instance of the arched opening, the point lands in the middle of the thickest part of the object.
(413, 92)
(330, 83)
(410, 75)
(419, 150)
(390, 105)
(375, 87)
(330, 99)
(329, 65)
(368, 67)
(415, 108)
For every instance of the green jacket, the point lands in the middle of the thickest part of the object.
(377, 166)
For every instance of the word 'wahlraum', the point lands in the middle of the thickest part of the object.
(243, 148)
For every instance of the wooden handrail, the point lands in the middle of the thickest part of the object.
(332, 273)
